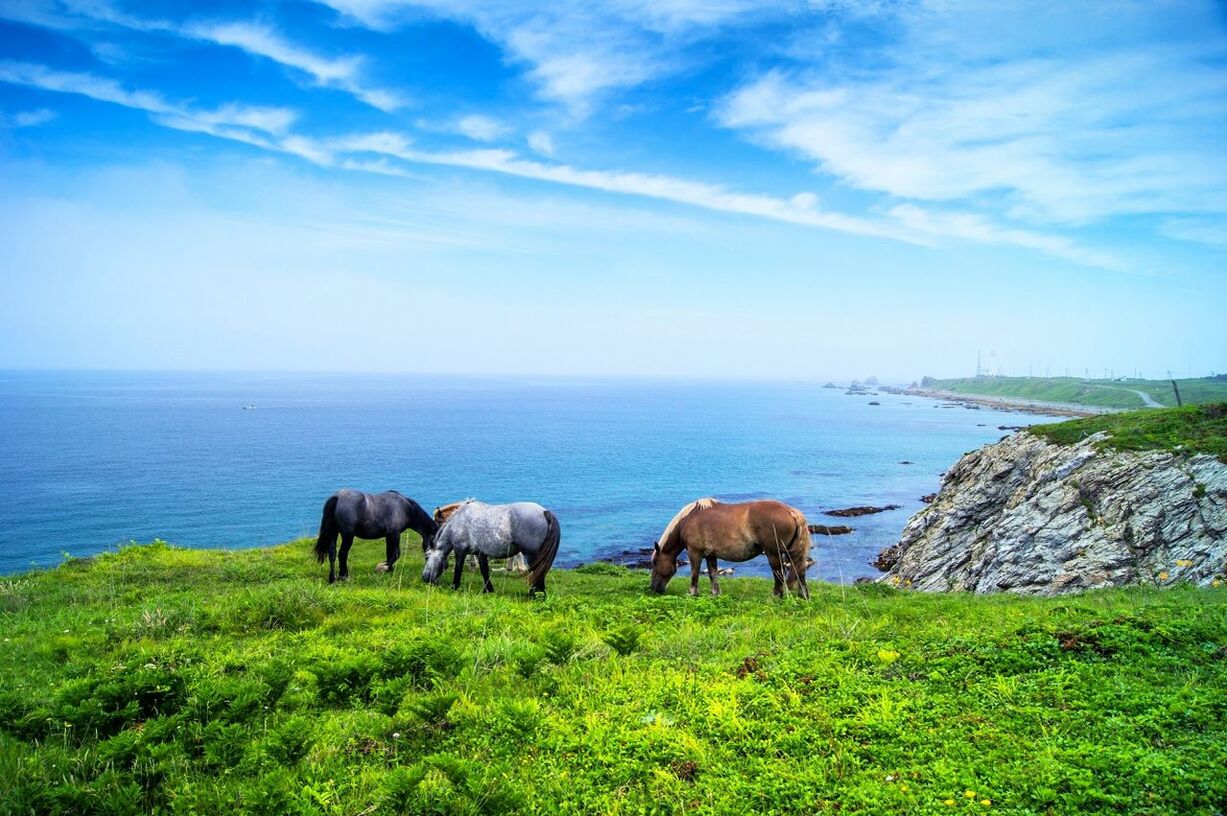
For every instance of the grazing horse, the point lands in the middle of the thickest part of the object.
(708, 529)
(384, 515)
(495, 531)
(516, 565)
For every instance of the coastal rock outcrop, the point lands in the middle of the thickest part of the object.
(1030, 516)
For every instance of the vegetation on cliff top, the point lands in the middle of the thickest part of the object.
(1191, 429)
(165, 680)
(1095, 393)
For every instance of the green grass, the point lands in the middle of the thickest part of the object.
(1094, 393)
(164, 680)
(1191, 429)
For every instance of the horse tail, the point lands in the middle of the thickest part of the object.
(328, 530)
(545, 556)
(802, 535)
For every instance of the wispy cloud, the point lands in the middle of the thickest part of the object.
(1209, 231)
(342, 73)
(974, 105)
(476, 127)
(541, 142)
(30, 118)
(576, 51)
(268, 129)
(271, 120)
(482, 128)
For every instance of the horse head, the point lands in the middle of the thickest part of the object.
(663, 568)
(436, 558)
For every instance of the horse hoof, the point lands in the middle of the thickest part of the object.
(382, 566)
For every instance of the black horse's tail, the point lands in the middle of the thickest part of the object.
(545, 556)
(328, 530)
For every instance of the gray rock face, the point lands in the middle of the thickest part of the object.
(1029, 516)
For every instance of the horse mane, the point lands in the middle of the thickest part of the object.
(697, 504)
(444, 511)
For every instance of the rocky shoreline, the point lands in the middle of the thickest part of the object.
(1030, 516)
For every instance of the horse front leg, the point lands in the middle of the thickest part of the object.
(347, 541)
(483, 562)
(695, 567)
(712, 572)
(461, 555)
(392, 552)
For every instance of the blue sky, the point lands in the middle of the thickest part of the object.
(722, 188)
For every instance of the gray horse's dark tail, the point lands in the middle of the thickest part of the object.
(328, 530)
(545, 556)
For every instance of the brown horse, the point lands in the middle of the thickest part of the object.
(708, 529)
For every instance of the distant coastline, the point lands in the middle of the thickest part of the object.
(1013, 404)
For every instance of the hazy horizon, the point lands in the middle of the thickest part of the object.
(743, 190)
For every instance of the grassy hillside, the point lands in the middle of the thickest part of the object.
(1191, 429)
(1097, 393)
(177, 681)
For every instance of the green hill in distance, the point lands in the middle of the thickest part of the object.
(166, 680)
(1125, 394)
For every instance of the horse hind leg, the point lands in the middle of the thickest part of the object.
(777, 574)
(713, 571)
(796, 577)
(483, 563)
(332, 561)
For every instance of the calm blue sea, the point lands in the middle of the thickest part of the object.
(92, 460)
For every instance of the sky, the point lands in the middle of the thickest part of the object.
(798, 189)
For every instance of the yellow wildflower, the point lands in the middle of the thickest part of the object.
(903, 788)
(1163, 576)
(1216, 583)
(970, 794)
(1184, 562)
(949, 803)
(986, 802)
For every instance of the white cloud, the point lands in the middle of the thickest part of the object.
(249, 125)
(1210, 231)
(481, 128)
(239, 118)
(978, 229)
(541, 142)
(31, 118)
(979, 111)
(577, 51)
(343, 73)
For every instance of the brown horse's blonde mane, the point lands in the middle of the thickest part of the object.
(444, 512)
(698, 504)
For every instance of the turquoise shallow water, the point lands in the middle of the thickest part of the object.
(92, 460)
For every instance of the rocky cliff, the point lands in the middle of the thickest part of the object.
(1030, 516)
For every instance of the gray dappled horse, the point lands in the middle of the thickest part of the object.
(495, 531)
(353, 513)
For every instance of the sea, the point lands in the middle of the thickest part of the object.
(90, 461)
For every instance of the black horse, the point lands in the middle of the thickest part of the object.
(384, 515)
